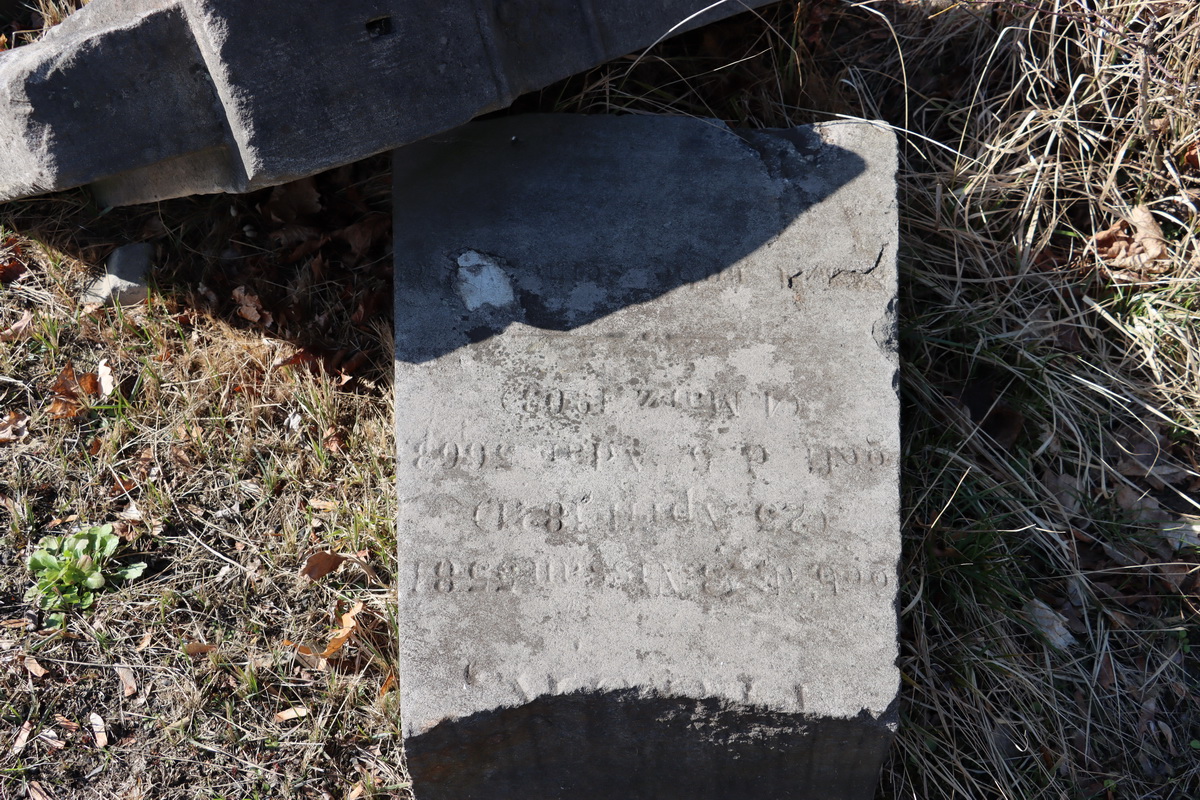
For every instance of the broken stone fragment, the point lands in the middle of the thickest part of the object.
(151, 99)
(124, 278)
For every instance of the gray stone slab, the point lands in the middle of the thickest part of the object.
(124, 278)
(151, 99)
(647, 434)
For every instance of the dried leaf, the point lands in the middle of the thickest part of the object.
(322, 505)
(89, 382)
(250, 307)
(1068, 489)
(1130, 247)
(387, 684)
(105, 375)
(69, 393)
(128, 681)
(11, 269)
(1051, 624)
(39, 792)
(21, 329)
(67, 724)
(1181, 533)
(307, 656)
(362, 235)
(198, 648)
(131, 513)
(343, 634)
(98, 729)
(288, 714)
(14, 427)
(1107, 676)
(320, 564)
(22, 737)
(334, 439)
(1191, 158)
(51, 739)
(144, 643)
(33, 667)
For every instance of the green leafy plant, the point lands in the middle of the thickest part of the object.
(69, 569)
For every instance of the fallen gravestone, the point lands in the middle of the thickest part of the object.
(152, 99)
(647, 431)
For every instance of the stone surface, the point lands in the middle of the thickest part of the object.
(124, 278)
(647, 433)
(151, 99)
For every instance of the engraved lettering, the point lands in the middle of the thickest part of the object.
(756, 456)
(658, 578)
(431, 455)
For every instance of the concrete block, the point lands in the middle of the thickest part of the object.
(152, 99)
(647, 433)
(124, 278)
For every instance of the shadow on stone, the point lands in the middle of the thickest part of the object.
(654, 747)
(513, 190)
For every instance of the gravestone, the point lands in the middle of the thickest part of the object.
(647, 431)
(151, 99)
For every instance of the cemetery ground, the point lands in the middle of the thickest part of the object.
(239, 423)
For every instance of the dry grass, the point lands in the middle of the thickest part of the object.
(228, 452)
(1050, 422)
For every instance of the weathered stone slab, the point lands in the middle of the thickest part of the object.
(648, 432)
(151, 99)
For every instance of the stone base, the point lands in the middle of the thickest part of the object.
(626, 746)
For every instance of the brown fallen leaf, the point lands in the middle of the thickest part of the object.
(288, 714)
(307, 656)
(70, 392)
(99, 730)
(362, 235)
(70, 726)
(33, 667)
(198, 648)
(343, 634)
(21, 329)
(39, 792)
(144, 643)
(128, 680)
(387, 684)
(1129, 248)
(51, 739)
(22, 737)
(320, 564)
(250, 307)
(322, 505)
(11, 269)
(14, 427)
(323, 562)
(334, 439)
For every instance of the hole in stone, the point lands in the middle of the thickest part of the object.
(380, 26)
